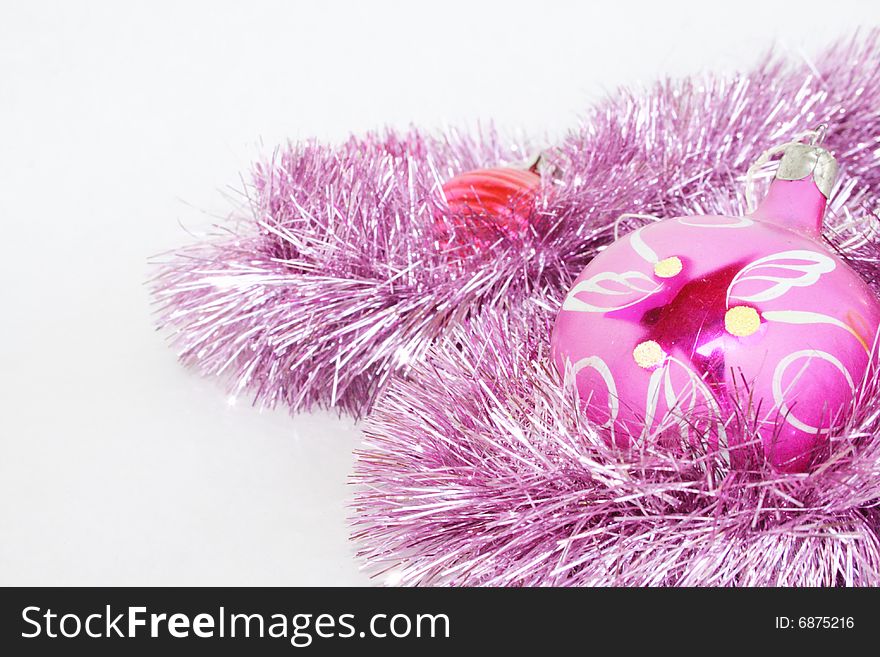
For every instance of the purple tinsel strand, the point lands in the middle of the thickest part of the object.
(479, 466)
(334, 282)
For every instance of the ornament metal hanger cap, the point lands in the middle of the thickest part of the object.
(800, 161)
(799, 193)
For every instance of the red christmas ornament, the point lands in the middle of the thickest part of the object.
(484, 205)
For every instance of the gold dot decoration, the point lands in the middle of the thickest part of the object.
(742, 321)
(668, 267)
(648, 354)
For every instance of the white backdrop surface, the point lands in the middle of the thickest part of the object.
(120, 122)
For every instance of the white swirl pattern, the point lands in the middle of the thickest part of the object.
(807, 317)
(779, 394)
(713, 222)
(683, 405)
(601, 367)
(808, 266)
(641, 248)
(633, 284)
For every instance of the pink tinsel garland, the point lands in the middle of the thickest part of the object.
(479, 467)
(334, 281)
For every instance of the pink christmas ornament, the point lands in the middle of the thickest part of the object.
(709, 330)
(485, 204)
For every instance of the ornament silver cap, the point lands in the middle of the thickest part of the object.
(801, 161)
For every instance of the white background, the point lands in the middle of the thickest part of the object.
(120, 121)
